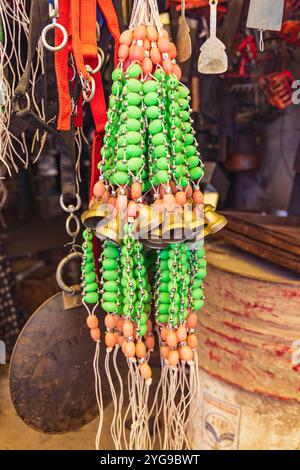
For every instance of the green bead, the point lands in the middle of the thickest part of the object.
(110, 275)
(164, 254)
(87, 235)
(164, 297)
(163, 318)
(178, 134)
(183, 92)
(120, 177)
(134, 85)
(110, 307)
(180, 170)
(162, 176)
(121, 140)
(198, 304)
(151, 99)
(200, 252)
(143, 319)
(184, 181)
(178, 146)
(173, 95)
(197, 283)
(160, 151)
(173, 82)
(111, 252)
(109, 297)
(91, 297)
(202, 263)
(164, 287)
(185, 115)
(109, 264)
(196, 173)
(89, 267)
(116, 74)
(179, 159)
(116, 88)
(120, 166)
(133, 151)
(133, 137)
(90, 277)
(133, 125)
(163, 164)
(192, 162)
(165, 276)
(197, 294)
(134, 70)
(149, 86)
(158, 139)
(92, 287)
(201, 274)
(142, 330)
(134, 164)
(146, 186)
(88, 256)
(187, 127)
(134, 112)
(110, 286)
(155, 127)
(133, 99)
(163, 309)
(183, 103)
(87, 247)
(190, 150)
(188, 139)
(152, 112)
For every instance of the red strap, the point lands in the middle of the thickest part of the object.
(61, 69)
(109, 13)
(88, 35)
(76, 41)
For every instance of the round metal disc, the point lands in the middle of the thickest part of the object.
(51, 372)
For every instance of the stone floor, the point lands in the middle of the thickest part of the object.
(16, 435)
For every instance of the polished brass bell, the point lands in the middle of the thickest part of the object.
(214, 221)
(110, 230)
(96, 216)
(149, 219)
(174, 228)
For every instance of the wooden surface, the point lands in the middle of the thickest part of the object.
(276, 239)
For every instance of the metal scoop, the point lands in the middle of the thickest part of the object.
(265, 15)
(213, 58)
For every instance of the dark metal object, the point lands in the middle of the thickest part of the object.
(51, 371)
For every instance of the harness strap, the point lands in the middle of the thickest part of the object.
(108, 10)
(61, 69)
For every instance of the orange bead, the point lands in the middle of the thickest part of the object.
(95, 334)
(112, 202)
(136, 53)
(123, 52)
(164, 351)
(152, 33)
(110, 340)
(173, 358)
(172, 339)
(198, 197)
(163, 44)
(136, 190)
(106, 196)
(172, 51)
(177, 71)
(158, 205)
(181, 333)
(99, 189)
(129, 349)
(168, 66)
(186, 354)
(147, 65)
(164, 333)
(173, 187)
(169, 202)
(165, 33)
(147, 44)
(180, 198)
(139, 32)
(132, 209)
(128, 328)
(92, 321)
(110, 321)
(155, 55)
(92, 201)
(123, 345)
(150, 342)
(192, 341)
(120, 323)
(145, 370)
(126, 37)
(192, 320)
(123, 191)
(140, 349)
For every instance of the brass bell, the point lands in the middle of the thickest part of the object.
(110, 230)
(213, 220)
(149, 219)
(174, 228)
(96, 215)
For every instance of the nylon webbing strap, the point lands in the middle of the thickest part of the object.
(65, 144)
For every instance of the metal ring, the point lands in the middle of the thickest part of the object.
(70, 232)
(71, 207)
(61, 283)
(87, 98)
(47, 28)
(99, 65)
